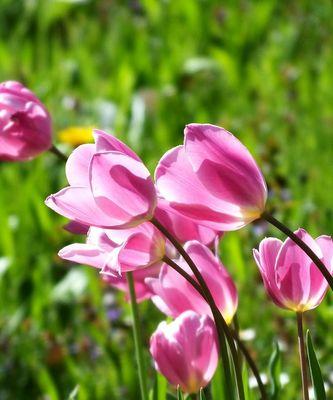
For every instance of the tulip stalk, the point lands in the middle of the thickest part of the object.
(137, 337)
(302, 355)
(54, 150)
(221, 325)
(319, 264)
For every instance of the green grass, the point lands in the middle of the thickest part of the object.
(143, 69)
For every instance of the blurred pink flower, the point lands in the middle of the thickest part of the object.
(213, 179)
(174, 294)
(185, 351)
(114, 252)
(25, 124)
(109, 186)
(290, 277)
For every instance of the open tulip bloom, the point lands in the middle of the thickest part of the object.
(113, 186)
(213, 179)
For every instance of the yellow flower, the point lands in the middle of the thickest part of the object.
(76, 135)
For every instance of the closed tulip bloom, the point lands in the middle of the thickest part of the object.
(185, 351)
(183, 228)
(25, 124)
(174, 294)
(115, 252)
(290, 277)
(213, 179)
(109, 186)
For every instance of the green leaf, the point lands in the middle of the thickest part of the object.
(179, 394)
(202, 395)
(274, 372)
(316, 376)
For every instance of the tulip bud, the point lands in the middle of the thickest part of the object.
(290, 277)
(25, 124)
(185, 351)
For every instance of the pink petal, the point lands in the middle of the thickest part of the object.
(77, 165)
(106, 142)
(186, 193)
(122, 187)
(78, 204)
(84, 254)
(225, 166)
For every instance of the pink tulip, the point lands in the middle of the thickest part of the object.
(185, 351)
(115, 252)
(25, 124)
(212, 179)
(291, 278)
(183, 228)
(109, 186)
(174, 294)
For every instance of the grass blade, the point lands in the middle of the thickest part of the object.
(316, 376)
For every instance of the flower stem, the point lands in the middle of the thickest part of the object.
(319, 264)
(302, 355)
(137, 337)
(221, 325)
(234, 333)
(54, 150)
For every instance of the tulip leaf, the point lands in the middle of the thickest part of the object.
(316, 376)
(179, 394)
(202, 395)
(274, 371)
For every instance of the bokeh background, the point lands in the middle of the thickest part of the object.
(142, 70)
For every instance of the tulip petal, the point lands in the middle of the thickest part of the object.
(122, 187)
(106, 142)
(225, 166)
(78, 204)
(77, 165)
(186, 193)
(84, 254)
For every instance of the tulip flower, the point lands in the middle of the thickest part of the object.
(213, 179)
(182, 228)
(290, 277)
(185, 351)
(173, 294)
(114, 252)
(25, 124)
(109, 186)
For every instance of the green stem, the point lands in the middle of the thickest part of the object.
(302, 355)
(54, 150)
(319, 264)
(221, 325)
(137, 337)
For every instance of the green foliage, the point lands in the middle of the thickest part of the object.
(274, 372)
(316, 376)
(143, 69)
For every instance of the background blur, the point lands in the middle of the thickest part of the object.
(143, 69)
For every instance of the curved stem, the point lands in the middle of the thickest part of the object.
(234, 333)
(54, 150)
(302, 355)
(221, 325)
(251, 364)
(137, 337)
(319, 264)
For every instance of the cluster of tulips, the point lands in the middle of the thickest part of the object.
(158, 238)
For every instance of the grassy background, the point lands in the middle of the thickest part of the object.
(143, 69)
